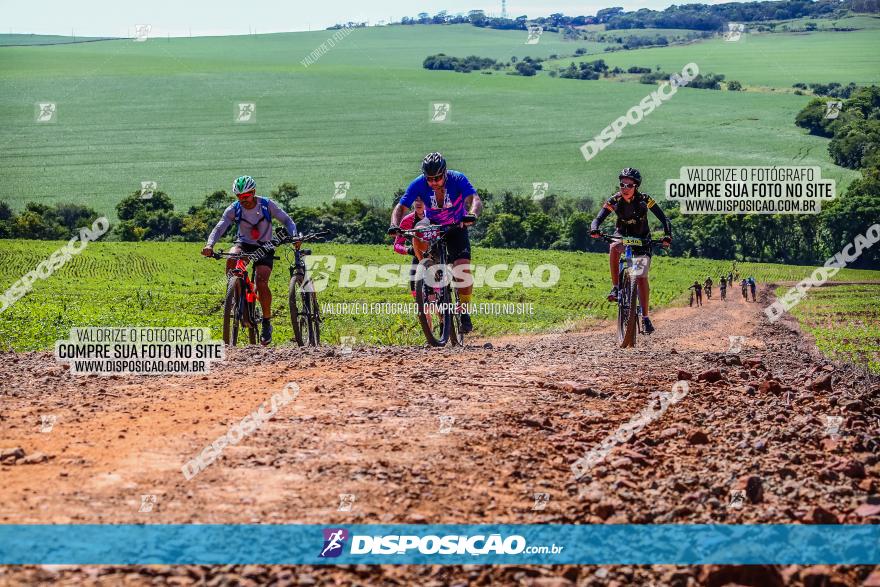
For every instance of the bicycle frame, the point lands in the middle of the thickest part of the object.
(435, 236)
(626, 269)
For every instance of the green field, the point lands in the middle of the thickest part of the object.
(162, 110)
(168, 284)
(18, 39)
(845, 321)
(775, 60)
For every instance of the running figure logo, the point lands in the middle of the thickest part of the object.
(246, 112)
(832, 109)
(440, 111)
(334, 540)
(46, 111)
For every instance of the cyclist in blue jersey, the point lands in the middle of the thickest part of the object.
(449, 198)
(257, 214)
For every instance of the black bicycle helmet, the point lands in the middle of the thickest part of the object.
(433, 164)
(632, 173)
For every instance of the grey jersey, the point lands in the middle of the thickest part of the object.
(251, 219)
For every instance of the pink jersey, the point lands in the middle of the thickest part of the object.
(406, 224)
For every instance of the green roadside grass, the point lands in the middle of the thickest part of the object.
(169, 284)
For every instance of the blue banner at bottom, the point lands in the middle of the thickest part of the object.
(680, 544)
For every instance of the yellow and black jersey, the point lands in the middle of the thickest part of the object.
(632, 216)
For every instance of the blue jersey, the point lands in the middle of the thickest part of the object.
(457, 189)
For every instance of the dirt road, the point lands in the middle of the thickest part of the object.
(416, 435)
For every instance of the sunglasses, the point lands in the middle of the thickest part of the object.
(246, 195)
(435, 178)
(627, 185)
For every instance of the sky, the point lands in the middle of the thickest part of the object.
(118, 18)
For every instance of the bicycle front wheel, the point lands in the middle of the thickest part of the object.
(626, 310)
(432, 302)
(298, 320)
(232, 307)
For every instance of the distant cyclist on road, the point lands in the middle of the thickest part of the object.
(631, 207)
(745, 289)
(752, 286)
(252, 216)
(449, 198)
(708, 287)
(723, 287)
(698, 289)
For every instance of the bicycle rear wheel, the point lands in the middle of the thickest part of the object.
(627, 312)
(432, 302)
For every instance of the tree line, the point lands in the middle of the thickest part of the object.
(701, 17)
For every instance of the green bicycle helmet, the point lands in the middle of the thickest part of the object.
(243, 185)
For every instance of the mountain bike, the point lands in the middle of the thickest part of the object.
(708, 290)
(723, 293)
(241, 308)
(305, 314)
(439, 309)
(691, 303)
(629, 310)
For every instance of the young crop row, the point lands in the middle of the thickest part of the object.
(170, 284)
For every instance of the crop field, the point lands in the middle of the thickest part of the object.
(163, 110)
(168, 284)
(771, 60)
(845, 321)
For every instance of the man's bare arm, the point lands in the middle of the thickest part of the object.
(397, 214)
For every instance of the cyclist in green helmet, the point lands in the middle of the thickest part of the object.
(253, 217)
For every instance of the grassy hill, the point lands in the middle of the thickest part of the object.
(162, 110)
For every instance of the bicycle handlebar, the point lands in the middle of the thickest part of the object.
(642, 242)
